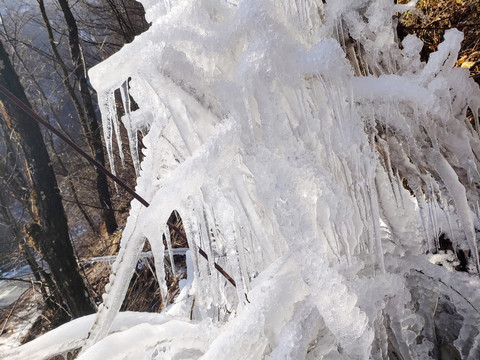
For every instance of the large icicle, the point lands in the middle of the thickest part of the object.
(457, 192)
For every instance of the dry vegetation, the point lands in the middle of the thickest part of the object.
(434, 17)
(143, 293)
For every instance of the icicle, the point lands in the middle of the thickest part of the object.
(168, 240)
(388, 167)
(168, 5)
(106, 103)
(432, 217)
(158, 250)
(129, 126)
(116, 128)
(372, 192)
(205, 243)
(225, 218)
(450, 229)
(457, 192)
(400, 189)
(189, 224)
(123, 269)
(422, 205)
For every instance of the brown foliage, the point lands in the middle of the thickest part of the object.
(434, 17)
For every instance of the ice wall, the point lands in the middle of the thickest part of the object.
(298, 139)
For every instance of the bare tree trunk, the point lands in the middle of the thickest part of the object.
(71, 186)
(28, 253)
(85, 109)
(49, 229)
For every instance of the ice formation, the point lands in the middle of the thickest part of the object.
(317, 159)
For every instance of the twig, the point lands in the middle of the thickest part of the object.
(10, 314)
(443, 27)
(45, 318)
(191, 308)
(440, 280)
(22, 280)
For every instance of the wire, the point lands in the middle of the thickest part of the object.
(62, 136)
(102, 168)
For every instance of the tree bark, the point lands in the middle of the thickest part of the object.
(49, 229)
(85, 110)
(28, 253)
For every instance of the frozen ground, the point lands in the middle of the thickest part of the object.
(20, 302)
(11, 290)
(23, 312)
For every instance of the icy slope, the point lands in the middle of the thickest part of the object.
(298, 140)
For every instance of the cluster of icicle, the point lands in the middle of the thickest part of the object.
(286, 134)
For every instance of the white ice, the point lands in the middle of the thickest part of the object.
(283, 132)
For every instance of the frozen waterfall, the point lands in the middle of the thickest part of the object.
(317, 159)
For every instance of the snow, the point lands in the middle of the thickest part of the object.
(20, 318)
(10, 290)
(71, 335)
(19, 302)
(313, 157)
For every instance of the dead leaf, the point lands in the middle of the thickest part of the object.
(468, 64)
(461, 60)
